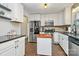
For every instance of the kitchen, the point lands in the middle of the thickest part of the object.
(39, 29)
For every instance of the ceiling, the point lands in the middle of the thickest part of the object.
(39, 7)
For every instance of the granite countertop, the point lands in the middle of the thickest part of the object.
(72, 37)
(6, 38)
(70, 34)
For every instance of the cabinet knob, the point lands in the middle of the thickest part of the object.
(16, 46)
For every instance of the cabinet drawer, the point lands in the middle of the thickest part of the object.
(6, 44)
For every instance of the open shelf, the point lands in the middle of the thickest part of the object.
(1, 6)
(5, 17)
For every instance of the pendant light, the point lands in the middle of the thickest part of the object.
(45, 5)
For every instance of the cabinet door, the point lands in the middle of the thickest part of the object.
(14, 8)
(65, 44)
(7, 48)
(44, 46)
(9, 51)
(20, 13)
(56, 37)
(42, 20)
(37, 17)
(17, 12)
(60, 39)
(31, 17)
(20, 46)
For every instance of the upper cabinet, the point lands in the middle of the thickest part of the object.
(17, 12)
(37, 17)
(67, 15)
(75, 12)
(34, 17)
(42, 20)
(5, 12)
(12, 11)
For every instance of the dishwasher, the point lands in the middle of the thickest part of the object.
(73, 46)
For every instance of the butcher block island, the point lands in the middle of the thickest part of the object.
(44, 44)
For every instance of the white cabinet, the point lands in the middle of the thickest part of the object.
(37, 17)
(8, 52)
(20, 13)
(63, 41)
(13, 48)
(56, 37)
(31, 17)
(42, 20)
(66, 44)
(20, 46)
(60, 40)
(34, 17)
(17, 12)
(44, 46)
(7, 49)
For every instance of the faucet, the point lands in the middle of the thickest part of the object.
(74, 29)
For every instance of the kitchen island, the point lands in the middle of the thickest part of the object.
(44, 44)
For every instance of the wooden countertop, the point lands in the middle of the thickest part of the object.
(44, 36)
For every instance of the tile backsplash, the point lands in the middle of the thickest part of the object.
(6, 26)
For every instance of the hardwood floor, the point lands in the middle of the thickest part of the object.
(57, 51)
(31, 50)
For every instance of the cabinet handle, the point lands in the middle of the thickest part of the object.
(16, 46)
(17, 41)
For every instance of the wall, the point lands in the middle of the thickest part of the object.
(26, 16)
(7, 25)
(24, 29)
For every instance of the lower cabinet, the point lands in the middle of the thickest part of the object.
(14, 47)
(7, 49)
(63, 41)
(56, 37)
(44, 46)
(20, 46)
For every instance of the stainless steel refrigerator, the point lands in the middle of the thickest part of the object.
(34, 29)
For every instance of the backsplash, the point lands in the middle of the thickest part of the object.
(6, 26)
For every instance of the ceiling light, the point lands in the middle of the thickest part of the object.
(45, 5)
